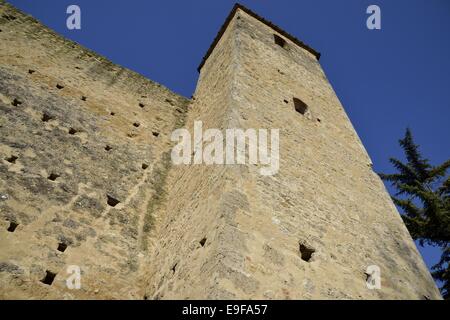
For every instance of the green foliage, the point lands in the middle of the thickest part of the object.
(423, 193)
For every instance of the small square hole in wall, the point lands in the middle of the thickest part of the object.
(12, 226)
(113, 113)
(46, 117)
(144, 166)
(300, 106)
(58, 86)
(31, 71)
(279, 40)
(72, 131)
(306, 252)
(203, 242)
(155, 134)
(16, 102)
(137, 124)
(49, 277)
(84, 98)
(62, 246)
(112, 201)
(141, 105)
(108, 148)
(12, 159)
(53, 176)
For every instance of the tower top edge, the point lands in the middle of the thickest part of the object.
(230, 16)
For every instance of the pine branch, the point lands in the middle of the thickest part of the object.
(428, 217)
(413, 155)
(439, 171)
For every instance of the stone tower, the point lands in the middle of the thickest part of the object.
(86, 178)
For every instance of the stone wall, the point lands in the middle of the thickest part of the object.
(326, 198)
(76, 129)
(86, 179)
(308, 232)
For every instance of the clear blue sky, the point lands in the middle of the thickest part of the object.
(386, 79)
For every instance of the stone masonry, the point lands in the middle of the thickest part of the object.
(86, 178)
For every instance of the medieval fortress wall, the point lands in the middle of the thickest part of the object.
(85, 163)
(113, 142)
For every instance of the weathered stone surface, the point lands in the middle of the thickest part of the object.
(57, 188)
(325, 195)
(85, 162)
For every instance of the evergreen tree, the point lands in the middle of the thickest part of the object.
(423, 193)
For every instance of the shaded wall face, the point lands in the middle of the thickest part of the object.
(191, 234)
(325, 198)
(82, 154)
